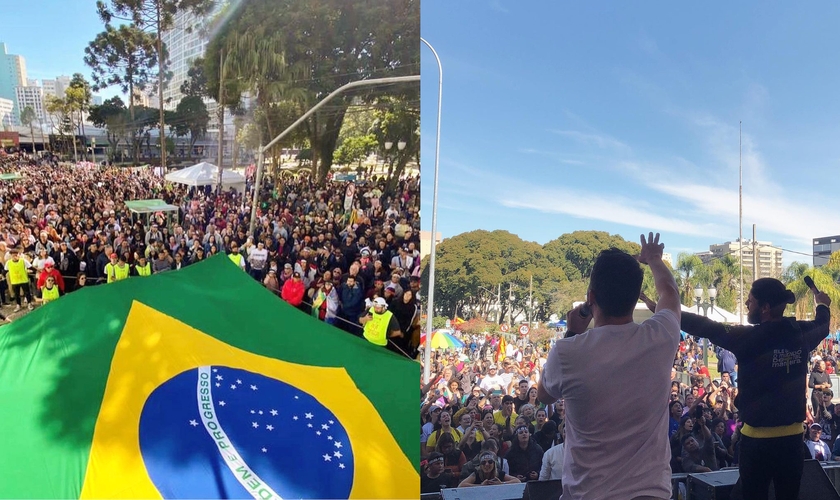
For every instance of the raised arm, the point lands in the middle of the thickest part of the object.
(815, 331)
(666, 286)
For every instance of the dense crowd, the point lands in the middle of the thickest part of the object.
(347, 252)
(481, 406)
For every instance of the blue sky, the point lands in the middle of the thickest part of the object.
(623, 117)
(52, 35)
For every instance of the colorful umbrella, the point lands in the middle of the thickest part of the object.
(443, 339)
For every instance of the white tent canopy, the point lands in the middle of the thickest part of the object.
(207, 174)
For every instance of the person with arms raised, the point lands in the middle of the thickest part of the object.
(631, 461)
(772, 368)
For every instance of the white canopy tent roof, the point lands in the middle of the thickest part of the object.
(642, 313)
(207, 174)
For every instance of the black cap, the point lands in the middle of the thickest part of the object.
(507, 398)
(772, 292)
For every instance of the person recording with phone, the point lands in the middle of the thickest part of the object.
(772, 367)
(632, 461)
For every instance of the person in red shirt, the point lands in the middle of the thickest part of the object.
(293, 291)
(50, 270)
(702, 370)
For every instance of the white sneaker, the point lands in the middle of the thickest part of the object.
(17, 308)
(29, 306)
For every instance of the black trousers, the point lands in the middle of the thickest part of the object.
(22, 288)
(771, 459)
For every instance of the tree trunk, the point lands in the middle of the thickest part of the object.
(135, 146)
(161, 63)
(327, 143)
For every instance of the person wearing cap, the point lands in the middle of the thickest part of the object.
(142, 267)
(772, 367)
(492, 380)
(380, 324)
(818, 448)
(435, 477)
(293, 291)
(17, 268)
(50, 271)
(488, 473)
(633, 459)
(112, 271)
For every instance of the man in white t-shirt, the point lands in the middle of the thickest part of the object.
(631, 461)
(492, 380)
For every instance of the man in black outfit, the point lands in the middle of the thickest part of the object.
(772, 358)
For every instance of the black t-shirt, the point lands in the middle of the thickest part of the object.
(517, 403)
(433, 485)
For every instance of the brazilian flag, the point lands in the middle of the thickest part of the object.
(200, 384)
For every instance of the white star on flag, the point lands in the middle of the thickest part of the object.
(264, 450)
(309, 425)
(297, 397)
(273, 413)
(233, 386)
(193, 423)
(221, 403)
(252, 412)
(337, 444)
(295, 417)
(255, 425)
(327, 458)
(325, 426)
(260, 412)
(218, 384)
(332, 422)
(238, 381)
(308, 416)
(269, 427)
(318, 433)
(253, 388)
(215, 370)
(337, 454)
(329, 437)
(219, 377)
(340, 466)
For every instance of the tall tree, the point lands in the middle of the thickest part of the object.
(27, 116)
(325, 44)
(153, 17)
(124, 57)
(191, 119)
(113, 116)
(397, 120)
(59, 108)
(80, 100)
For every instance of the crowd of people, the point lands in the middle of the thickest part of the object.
(345, 252)
(481, 401)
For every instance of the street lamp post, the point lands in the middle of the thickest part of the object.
(427, 353)
(706, 306)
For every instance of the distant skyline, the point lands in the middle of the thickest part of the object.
(52, 35)
(624, 118)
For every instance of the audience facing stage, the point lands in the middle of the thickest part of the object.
(820, 481)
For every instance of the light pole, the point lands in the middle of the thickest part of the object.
(427, 353)
(707, 306)
(390, 144)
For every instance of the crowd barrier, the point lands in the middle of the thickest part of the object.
(820, 480)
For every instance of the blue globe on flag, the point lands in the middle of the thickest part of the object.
(220, 432)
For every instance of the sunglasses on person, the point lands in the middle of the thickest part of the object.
(487, 462)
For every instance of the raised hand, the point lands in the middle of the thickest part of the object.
(651, 248)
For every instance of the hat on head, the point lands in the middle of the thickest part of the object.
(815, 426)
(287, 266)
(48, 265)
(507, 398)
(379, 301)
(391, 288)
(113, 256)
(772, 292)
(438, 404)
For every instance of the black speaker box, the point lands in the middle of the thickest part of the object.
(543, 490)
(712, 485)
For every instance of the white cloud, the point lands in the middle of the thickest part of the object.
(602, 141)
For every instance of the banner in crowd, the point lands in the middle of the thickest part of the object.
(199, 383)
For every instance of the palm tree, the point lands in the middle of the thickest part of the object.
(688, 266)
(27, 116)
(793, 278)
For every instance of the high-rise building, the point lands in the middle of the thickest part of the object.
(96, 100)
(823, 248)
(769, 258)
(186, 41)
(7, 107)
(12, 75)
(33, 96)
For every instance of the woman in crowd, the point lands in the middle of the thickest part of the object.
(525, 456)
(686, 426)
(453, 457)
(443, 427)
(541, 419)
(487, 473)
(470, 445)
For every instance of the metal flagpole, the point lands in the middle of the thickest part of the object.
(740, 227)
(427, 351)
